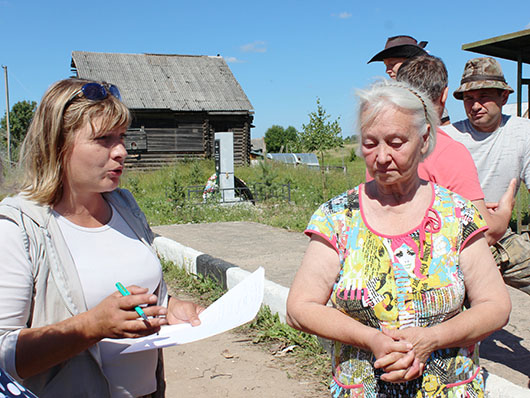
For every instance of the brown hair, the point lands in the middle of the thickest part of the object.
(427, 73)
(63, 110)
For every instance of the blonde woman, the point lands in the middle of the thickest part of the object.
(65, 240)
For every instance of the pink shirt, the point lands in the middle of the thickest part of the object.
(451, 166)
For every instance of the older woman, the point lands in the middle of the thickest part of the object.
(397, 256)
(65, 241)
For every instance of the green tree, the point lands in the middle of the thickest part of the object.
(19, 119)
(320, 135)
(293, 143)
(277, 138)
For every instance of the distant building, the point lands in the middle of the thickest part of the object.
(306, 159)
(178, 103)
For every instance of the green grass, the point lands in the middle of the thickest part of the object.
(310, 357)
(523, 198)
(162, 194)
(205, 290)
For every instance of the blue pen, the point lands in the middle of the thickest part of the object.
(124, 292)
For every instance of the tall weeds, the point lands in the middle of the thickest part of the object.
(166, 198)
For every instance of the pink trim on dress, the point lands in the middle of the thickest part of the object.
(464, 381)
(459, 383)
(361, 189)
(464, 243)
(351, 386)
(332, 241)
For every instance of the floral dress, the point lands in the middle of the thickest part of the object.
(397, 282)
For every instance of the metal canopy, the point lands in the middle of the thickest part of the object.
(513, 46)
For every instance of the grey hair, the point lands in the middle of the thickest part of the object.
(400, 95)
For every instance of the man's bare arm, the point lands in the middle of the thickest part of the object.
(497, 215)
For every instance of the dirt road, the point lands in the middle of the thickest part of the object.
(229, 365)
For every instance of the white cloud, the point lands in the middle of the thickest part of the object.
(342, 15)
(255, 47)
(527, 26)
(233, 60)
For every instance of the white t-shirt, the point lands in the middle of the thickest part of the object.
(499, 156)
(103, 256)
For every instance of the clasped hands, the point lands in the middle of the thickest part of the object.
(115, 316)
(402, 353)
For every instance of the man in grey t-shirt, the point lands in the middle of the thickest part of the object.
(500, 147)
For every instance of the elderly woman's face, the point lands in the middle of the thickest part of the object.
(392, 147)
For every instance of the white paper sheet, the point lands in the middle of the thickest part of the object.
(237, 306)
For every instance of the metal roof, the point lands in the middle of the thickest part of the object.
(510, 46)
(309, 159)
(166, 81)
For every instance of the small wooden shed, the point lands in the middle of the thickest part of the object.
(178, 102)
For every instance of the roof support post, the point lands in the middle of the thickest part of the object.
(519, 108)
(519, 84)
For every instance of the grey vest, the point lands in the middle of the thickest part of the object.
(57, 291)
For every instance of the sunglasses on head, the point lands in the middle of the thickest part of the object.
(97, 92)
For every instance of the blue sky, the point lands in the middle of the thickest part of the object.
(284, 54)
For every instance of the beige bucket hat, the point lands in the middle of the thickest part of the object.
(480, 73)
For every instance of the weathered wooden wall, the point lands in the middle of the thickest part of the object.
(162, 137)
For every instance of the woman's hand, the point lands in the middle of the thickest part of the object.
(382, 345)
(396, 357)
(401, 374)
(40, 348)
(115, 316)
(180, 311)
(422, 341)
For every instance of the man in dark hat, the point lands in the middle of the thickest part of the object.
(500, 147)
(397, 50)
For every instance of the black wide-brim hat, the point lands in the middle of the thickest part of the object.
(400, 47)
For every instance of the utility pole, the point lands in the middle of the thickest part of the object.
(8, 133)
